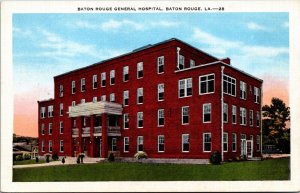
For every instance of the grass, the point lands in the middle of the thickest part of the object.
(273, 169)
(30, 161)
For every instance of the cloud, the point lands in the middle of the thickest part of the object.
(255, 26)
(165, 23)
(21, 33)
(285, 24)
(125, 23)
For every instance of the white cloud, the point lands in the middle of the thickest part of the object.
(86, 24)
(125, 23)
(165, 23)
(21, 33)
(285, 24)
(255, 26)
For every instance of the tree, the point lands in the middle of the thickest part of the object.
(275, 118)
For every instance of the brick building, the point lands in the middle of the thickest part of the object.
(166, 99)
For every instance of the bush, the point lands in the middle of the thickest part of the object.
(27, 156)
(19, 157)
(47, 158)
(63, 160)
(215, 158)
(141, 155)
(55, 157)
(36, 159)
(111, 157)
(243, 158)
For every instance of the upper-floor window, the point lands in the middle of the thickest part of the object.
(103, 79)
(185, 111)
(126, 144)
(112, 77)
(50, 129)
(125, 73)
(185, 142)
(140, 119)
(161, 117)
(243, 90)
(43, 112)
(257, 118)
(206, 142)
(140, 96)
(225, 112)
(125, 98)
(126, 121)
(160, 92)
(229, 85)
(73, 87)
(181, 62)
(82, 84)
(225, 142)
(43, 129)
(95, 81)
(61, 127)
(103, 98)
(61, 90)
(192, 63)
(251, 118)
(256, 95)
(160, 64)
(207, 113)
(140, 143)
(185, 87)
(50, 146)
(161, 143)
(50, 111)
(207, 84)
(233, 114)
(243, 114)
(234, 142)
(112, 97)
(140, 70)
(61, 109)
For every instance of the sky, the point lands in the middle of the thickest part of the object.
(46, 45)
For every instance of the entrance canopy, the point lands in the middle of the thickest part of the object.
(95, 108)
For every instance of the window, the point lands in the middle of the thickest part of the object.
(103, 79)
(61, 127)
(140, 143)
(243, 90)
(50, 129)
(126, 120)
(126, 144)
(140, 96)
(160, 92)
(160, 64)
(125, 97)
(225, 142)
(233, 142)
(61, 90)
(43, 129)
(74, 123)
(207, 113)
(50, 111)
(256, 95)
(257, 143)
(82, 84)
(113, 144)
(94, 99)
(125, 73)
(257, 119)
(112, 97)
(192, 63)
(185, 115)
(161, 117)
(50, 146)
(225, 112)
(61, 109)
(82, 101)
(61, 146)
(181, 62)
(103, 97)
(206, 142)
(229, 85)
(185, 87)
(140, 119)
(251, 118)
(43, 112)
(43, 146)
(84, 121)
(207, 84)
(73, 103)
(112, 77)
(73, 87)
(185, 143)
(233, 114)
(95, 81)
(139, 70)
(161, 143)
(242, 116)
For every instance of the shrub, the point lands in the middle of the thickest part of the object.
(78, 160)
(63, 160)
(47, 158)
(27, 156)
(81, 156)
(36, 159)
(19, 157)
(111, 157)
(243, 158)
(55, 157)
(141, 155)
(215, 158)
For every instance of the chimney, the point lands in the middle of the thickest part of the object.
(226, 60)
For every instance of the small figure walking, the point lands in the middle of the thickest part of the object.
(63, 160)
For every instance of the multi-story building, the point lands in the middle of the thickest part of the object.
(169, 99)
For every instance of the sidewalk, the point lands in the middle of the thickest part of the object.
(68, 161)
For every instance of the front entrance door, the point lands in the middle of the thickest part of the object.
(101, 148)
(243, 146)
(249, 148)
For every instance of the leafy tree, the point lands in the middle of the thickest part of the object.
(275, 118)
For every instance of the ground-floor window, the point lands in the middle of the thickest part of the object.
(50, 146)
(61, 146)
(225, 142)
(206, 142)
(114, 144)
(126, 144)
(233, 142)
(257, 143)
(185, 143)
(140, 143)
(43, 146)
(161, 143)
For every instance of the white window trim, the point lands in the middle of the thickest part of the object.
(103, 97)
(112, 96)
(61, 126)
(242, 109)
(50, 142)
(125, 98)
(207, 142)
(125, 74)
(206, 81)
(112, 143)
(206, 104)
(234, 141)
(159, 143)
(73, 103)
(124, 120)
(251, 114)
(61, 145)
(256, 95)
(230, 83)
(61, 108)
(161, 92)
(225, 134)
(163, 64)
(243, 85)
(82, 83)
(124, 144)
(43, 112)
(50, 129)
(234, 113)
(95, 81)
(258, 140)
(185, 134)
(73, 85)
(61, 90)
(192, 62)
(137, 70)
(42, 129)
(226, 112)
(182, 115)
(43, 146)
(137, 143)
(137, 119)
(185, 88)
(111, 77)
(137, 95)
(103, 74)
(158, 125)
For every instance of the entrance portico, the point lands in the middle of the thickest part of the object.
(92, 124)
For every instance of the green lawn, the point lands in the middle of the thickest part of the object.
(273, 169)
(30, 161)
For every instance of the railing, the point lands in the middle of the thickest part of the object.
(98, 129)
(114, 129)
(86, 130)
(75, 131)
